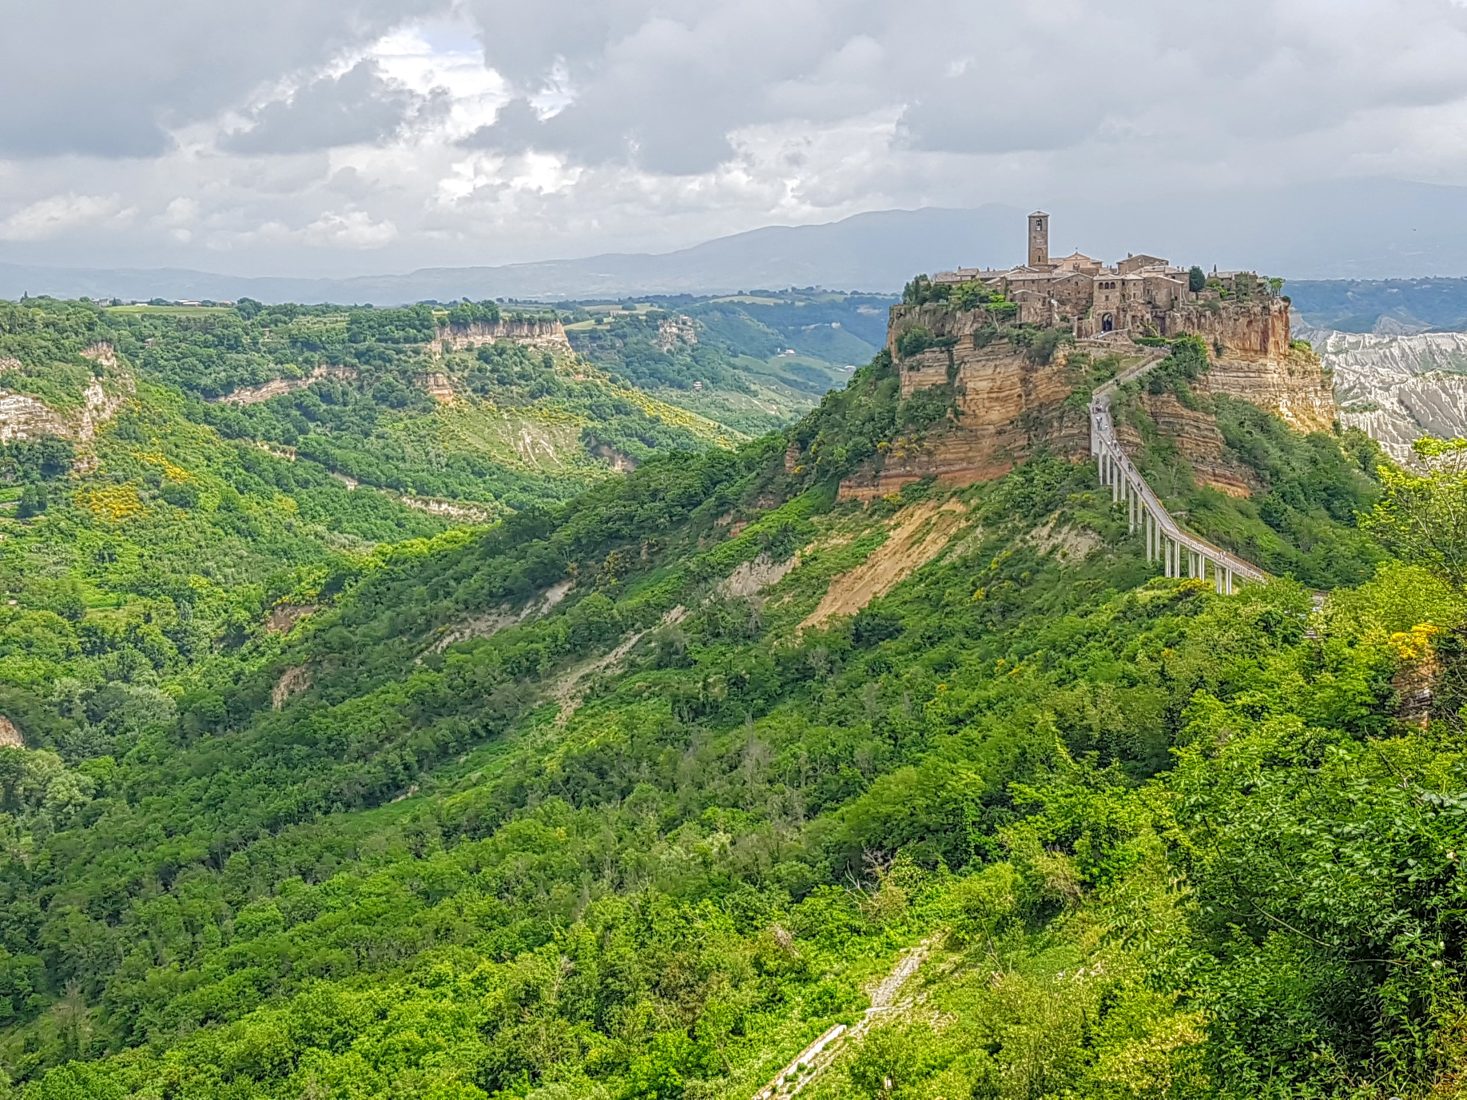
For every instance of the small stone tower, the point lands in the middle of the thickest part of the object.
(1038, 239)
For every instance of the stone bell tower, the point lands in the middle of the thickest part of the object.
(1038, 239)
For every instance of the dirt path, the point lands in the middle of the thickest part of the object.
(815, 1059)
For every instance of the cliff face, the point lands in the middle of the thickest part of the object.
(255, 395)
(1199, 441)
(1007, 407)
(438, 386)
(536, 334)
(1247, 330)
(1294, 386)
(10, 737)
(1258, 362)
(23, 417)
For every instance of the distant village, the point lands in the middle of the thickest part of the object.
(207, 303)
(1132, 295)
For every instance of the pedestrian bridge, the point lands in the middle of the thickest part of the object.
(1181, 553)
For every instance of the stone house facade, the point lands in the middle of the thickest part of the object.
(1134, 295)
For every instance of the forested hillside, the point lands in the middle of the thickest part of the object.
(180, 485)
(639, 793)
(745, 360)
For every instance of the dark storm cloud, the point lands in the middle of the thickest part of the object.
(360, 106)
(269, 128)
(658, 85)
(110, 79)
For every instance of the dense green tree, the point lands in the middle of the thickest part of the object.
(1422, 515)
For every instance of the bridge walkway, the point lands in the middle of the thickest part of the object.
(1181, 553)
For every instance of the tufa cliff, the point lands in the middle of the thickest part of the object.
(535, 333)
(25, 417)
(1255, 359)
(277, 387)
(1012, 391)
(1007, 402)
(1198, 441)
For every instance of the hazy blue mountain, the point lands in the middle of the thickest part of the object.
(1369, 229)
(1384, 306)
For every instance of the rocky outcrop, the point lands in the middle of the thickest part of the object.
(439, 386)
(1293, 386)
(293, 681)
(451, 509)
(10, 737)
(1006, 406)
(102, 353)
(278, 387)
(491, 622)
(1255, 359)
(546, 334)
(23, 417)
(1198, 440)
(1245, 330)
(750, 578)
(284, 616)
(99, 405)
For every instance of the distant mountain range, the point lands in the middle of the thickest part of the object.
(1347, 230)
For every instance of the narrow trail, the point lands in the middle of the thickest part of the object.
(820, 1055)
(1181, 552)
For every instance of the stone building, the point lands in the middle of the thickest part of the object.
(1137, 295)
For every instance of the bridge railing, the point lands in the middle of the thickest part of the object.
(1180, 552)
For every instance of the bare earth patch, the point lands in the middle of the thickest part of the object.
(1071, 543)
(917, 535)
(292, 682)
(573, 684)
(284, 616)
(492, 622)
(749, 578)
(10, 737)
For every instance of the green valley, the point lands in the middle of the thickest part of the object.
(864, 756)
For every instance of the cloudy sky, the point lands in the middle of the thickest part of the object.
(341, 136)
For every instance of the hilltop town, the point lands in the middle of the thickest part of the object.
(1141, 294)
